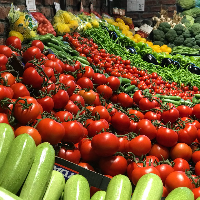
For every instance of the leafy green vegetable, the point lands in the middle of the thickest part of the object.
(186, 4)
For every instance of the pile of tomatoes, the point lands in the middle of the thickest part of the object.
(83, 113)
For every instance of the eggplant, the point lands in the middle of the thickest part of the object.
(150, 59)
(169, 61)
(113, 35)
(193, 68)
(131, 49)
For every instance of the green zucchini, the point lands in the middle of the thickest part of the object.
(7, 195)
(40, 173)
(119, 188)
(18, 163)
(55, 187)
(6, 137)
(83, 60)
(182, 193)
(77, 188)
(99, 195)
(148, 187)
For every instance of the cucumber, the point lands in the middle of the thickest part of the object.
(55, 187)
(99, 195)
(119, 188)
(18, 163)
(6, 137)
(40, 173)
(148, 187)
(182, 193)
(77, 188)
(7, 195)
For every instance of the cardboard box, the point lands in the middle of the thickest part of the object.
(69, 169)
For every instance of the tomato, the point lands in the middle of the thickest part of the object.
(170, 115)
(31, 53)
(51, 131)
(63, 116)
(113, 82)
(105, 144)
(177, 179)
(145, 127)
(76, 98)
(102, 112)
(99, 79)
(88, 72)
(4, 118)
(71, 86)
(60, 99)
(180, 164)
(7, 79)
(47, 103)
(197, 168)
(87, 152)
(138, 172)
(113, 165)
(196, 156)
(164, 170)
(105, 91)
(3, 59)
(14, 42)
(181, 150)
(140, 145)
(85, 83)
(51, 56)
(161, 152)
(120, 121)
(88, 96)
(123, 142)
(6, 51)
(38, 43)
(71, 107)
(27, 114)
(72, 155)
(54, 65)
(86, 166)
(166, 137)
(32, 77)
(136, 114)
(196, 192)
(184, 111)
(187, 134)
(73, 131)
(146, 104)
(31, 131)
(124, 100)
(96, 127)
(137, 96)
(151, 116)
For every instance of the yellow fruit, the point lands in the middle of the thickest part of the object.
(169, 50)
(21, 24)
(62, 28)
(17, 34)
(95, 23)
(67, 18)
(143, 40)
(57, 19)
(88, 25)
(137, 36)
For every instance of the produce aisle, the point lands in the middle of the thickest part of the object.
(90, 110)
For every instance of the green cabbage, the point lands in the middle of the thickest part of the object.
(186, 4)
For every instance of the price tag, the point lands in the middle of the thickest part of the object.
(135, 5)
(30, 4)
(57, 6)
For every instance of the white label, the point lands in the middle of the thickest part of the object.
(30, 4)
(135, 5)
(57, 6)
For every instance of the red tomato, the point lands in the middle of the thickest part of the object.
(181, 150)
(85, 83)
(99, 79)
(86, 166)
(140, 145)
(137, 96)
(196, 156)
(138, 172)
(26, 110)
(166, 137)
(14, 42)
(88, 96)
(113, 165)
(71, 107)
(7, 79)
(196, 192)
(105, 144)
(64, 116)
(31, 131)
(38, 43)
(136, 114)
(72, 155)
(196, 111)
(4, 118)
(102, 112)
(124, 100)
(146, 104)
(197, 168)
(47, 103)
(152, 116)
(113, 82)
(170, 115)
(50, 131)
(161, 152)
(3, 59)
(31, 53)
(184, 111)
(164, 170)
(105, 91)
(120, 121)
(6, 51)
(177, 179)
(187, 134)
(145, 127)
(73, 132)
(54, 65)
(60, 99)
(180, 164)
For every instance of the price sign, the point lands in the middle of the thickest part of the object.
(30, 4)
(135, 5)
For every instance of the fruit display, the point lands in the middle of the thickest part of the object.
(105, 100)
